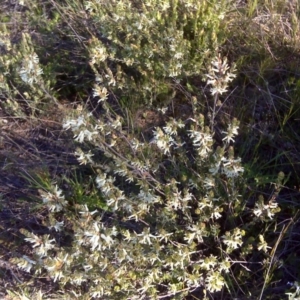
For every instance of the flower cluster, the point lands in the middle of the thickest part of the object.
(263, 210)
(55, 201)
(31, 71)
(220, 75)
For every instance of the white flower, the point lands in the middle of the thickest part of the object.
(30, 71)
(146, 237)
(215, 166)
(232, 167)
(98, 293)
(163, 110)
(205, 202)
(233, 239)
(164, 235)
(47, 245)
(101, 93)
(55, 201)
(202, 141)
(162, 140)
(214, 282)
(262, 209)
(164, 5)
(108, 239)
(187, 196)
(121, 169)
(216, 215)
(115, 198)
(94, 239)
(85, 134)
(231, 132)
(136, 144)
(74, 124)
(26, 263)
(35, 240)
(54, 267)
(111, 79)
(77, 278)
(117, 124)
(209, 182)
(208, 263)
(84, 158)
(219, 76)
(192, 184)
(178, 55)
(196, 233)
(171, 127)
(86, 213)
(101, 180)
(148, 197)
(218, 90)
(262, 245)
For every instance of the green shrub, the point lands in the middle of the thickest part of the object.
(175, 211)
(22, 86)
(163, 217)
(140, 48)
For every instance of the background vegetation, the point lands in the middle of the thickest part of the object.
(149, 149)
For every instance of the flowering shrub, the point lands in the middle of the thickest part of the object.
(163, 216)
(174, 203)
(21, 82)
(144, 45)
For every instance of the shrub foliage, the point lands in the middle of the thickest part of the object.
(165, 216)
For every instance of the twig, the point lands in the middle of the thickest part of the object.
(283, 231)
